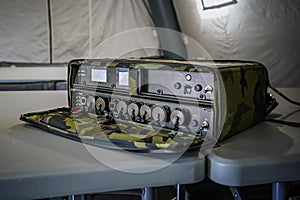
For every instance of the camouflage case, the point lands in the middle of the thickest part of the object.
(247, 99)
(239, 100)
(128, 137)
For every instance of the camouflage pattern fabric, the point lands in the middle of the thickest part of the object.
(247, 103)
(245, 85)
(128, 136)
(246, 93)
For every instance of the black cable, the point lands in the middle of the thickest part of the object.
(284, 96)
(288, 123)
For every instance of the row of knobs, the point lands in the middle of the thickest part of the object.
(157, 113)
(142, 112)
(145, 112)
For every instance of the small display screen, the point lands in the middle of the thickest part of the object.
(123, 78)
(99, 75)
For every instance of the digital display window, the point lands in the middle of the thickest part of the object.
(123, 78)
(99, 75)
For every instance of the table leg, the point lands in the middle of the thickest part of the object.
(180, 192)
(147, 194)
(236, 194)
(76, 197)
(71, 197)
(278, 191)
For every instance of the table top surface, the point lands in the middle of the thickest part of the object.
(266, 153)
(35, 164)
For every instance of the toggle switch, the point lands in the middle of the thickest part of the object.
(208, 89)
(204, 125)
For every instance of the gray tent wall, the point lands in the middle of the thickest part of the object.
(24, 35)
(57, 31)
(262, 30)
(267, 31)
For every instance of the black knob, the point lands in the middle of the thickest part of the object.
(198, 87)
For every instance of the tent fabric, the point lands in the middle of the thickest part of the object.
(77, 29)
(24, 33)
(127, 30)
(70, 29)
(266, 31)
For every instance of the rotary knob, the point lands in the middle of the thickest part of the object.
(100, 104)
(133, 109)
(145, 112)
(159, 114)
(179, 117)
(122, 107)
(112, 105)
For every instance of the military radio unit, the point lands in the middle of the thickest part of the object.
(214, 99)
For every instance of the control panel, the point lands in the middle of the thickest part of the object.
(195, 119)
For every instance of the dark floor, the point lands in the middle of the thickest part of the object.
(206, 190)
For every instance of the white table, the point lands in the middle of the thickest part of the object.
(265, 153)
(36, 164)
